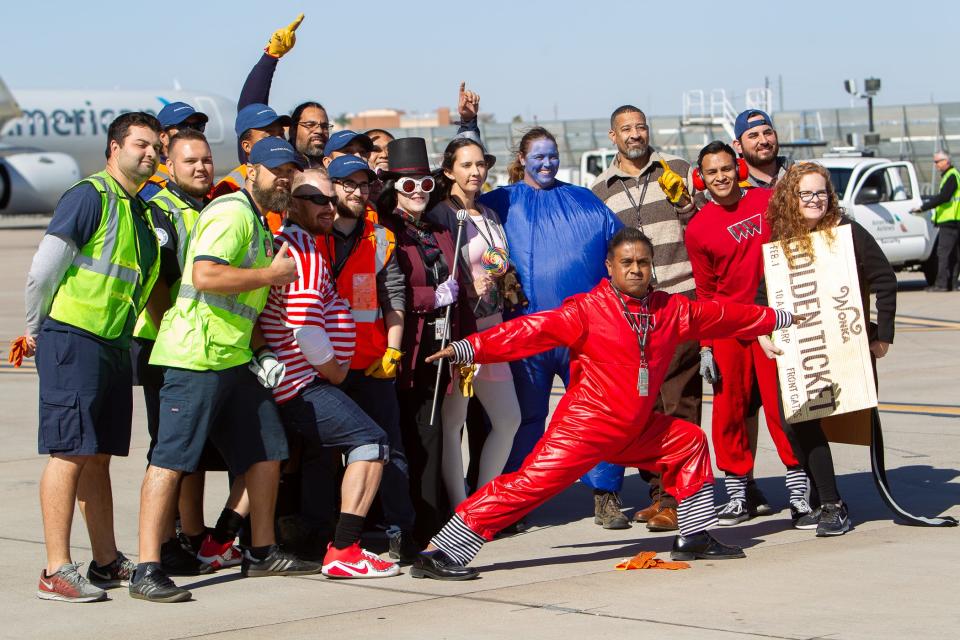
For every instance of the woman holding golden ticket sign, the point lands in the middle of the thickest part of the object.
(805, 203)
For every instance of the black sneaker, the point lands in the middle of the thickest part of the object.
(116, 574)
(802, 515)
(734, 512)
(757, 504)
(277, 563)
(403, 548)
(834, 520)
(156, 586)
(177, 561)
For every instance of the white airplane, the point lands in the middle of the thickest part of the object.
(51, 139)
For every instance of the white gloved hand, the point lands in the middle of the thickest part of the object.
(446, 293)
(268, 369)
(708, 367)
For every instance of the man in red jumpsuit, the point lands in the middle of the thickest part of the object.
(724, 241)
(621, 338)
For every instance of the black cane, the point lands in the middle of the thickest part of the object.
(461, 220)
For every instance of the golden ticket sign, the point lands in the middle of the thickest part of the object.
(825, 368)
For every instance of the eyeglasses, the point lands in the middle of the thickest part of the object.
(810, 196)
(319, 199)
(350, 186)
(310, 125)
(409, 185)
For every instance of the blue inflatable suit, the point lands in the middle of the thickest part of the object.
(558, 243)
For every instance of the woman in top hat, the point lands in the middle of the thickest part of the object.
(484, 262)
(426, 253)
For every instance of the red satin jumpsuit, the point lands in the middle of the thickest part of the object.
(602, 416)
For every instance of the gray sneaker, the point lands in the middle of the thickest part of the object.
(734, 512)
(116, 574)
(834, 520)
(802, 515)
(67, 585)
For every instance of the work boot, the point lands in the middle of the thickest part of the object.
(645, 514)
(606, 511)
(666, 520)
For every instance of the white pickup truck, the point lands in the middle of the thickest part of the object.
(879, 194)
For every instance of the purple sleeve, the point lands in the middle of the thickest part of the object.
(256, 89)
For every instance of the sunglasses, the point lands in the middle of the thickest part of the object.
(409, 185)
(319, 199)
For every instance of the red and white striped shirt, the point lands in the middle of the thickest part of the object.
(310, 301)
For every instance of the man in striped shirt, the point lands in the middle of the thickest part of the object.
(650, 190)
(312, 331)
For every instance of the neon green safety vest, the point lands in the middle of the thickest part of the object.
(183, 217)
(207, 331)
(949, 211)
(105, 280)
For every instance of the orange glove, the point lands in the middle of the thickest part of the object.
(18, 349)
(648, 560)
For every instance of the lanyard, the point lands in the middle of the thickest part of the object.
(488, 239)
(643, 195)
(641, 329)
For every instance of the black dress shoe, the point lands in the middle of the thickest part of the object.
(439, 566)
(703, 546)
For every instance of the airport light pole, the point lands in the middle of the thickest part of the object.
(871, 86)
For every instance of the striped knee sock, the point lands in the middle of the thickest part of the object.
(697, 513)
(736, 487)
(796, 483)
(458, 541)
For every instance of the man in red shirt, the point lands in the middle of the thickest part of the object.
(621, 338)
(724, 243)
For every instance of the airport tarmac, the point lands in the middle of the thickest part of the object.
(882, 580)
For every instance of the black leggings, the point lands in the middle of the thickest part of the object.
(812, 450)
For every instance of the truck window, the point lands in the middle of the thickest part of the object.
(900, 187)
(594, 165)
(840, 179)
(879, 180)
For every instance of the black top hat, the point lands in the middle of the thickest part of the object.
(406, 157)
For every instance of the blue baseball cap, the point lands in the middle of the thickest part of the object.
(340, 139)
(174, 113)
(272, 152)
(344, 166)
(258, 116)
(742, 126)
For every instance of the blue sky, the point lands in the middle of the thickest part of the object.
(579, 59)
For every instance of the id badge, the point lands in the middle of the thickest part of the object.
(440, 329)
(643, 381)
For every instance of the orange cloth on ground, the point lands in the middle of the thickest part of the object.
(18, 349)
(648, 560)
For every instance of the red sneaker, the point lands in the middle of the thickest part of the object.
(67, 585)
(354, 562)
(219, 555)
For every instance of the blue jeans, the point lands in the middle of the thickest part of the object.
(378, 399)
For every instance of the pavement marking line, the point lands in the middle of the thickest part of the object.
(523, 605)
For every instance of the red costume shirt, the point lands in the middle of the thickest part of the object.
(724, 245)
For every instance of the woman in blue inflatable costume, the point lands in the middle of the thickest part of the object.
(558, 234)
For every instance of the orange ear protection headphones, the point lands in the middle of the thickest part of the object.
(742, 173)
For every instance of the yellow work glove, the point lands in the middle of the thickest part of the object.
(385, 367)
(283, 39)
(467, 372)
(672, 183)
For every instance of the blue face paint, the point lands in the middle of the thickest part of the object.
(542, 162)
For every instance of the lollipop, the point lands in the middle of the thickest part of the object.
(495, 262)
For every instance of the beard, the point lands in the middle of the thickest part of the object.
(754, 159)
(271, 199)
(344, 210)
(636, 154)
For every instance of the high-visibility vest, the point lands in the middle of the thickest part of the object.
(183, 217)
(105, 280)
(160, 177)
(234, 181)
(357, 283)
(208, 331)
(949, 211)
